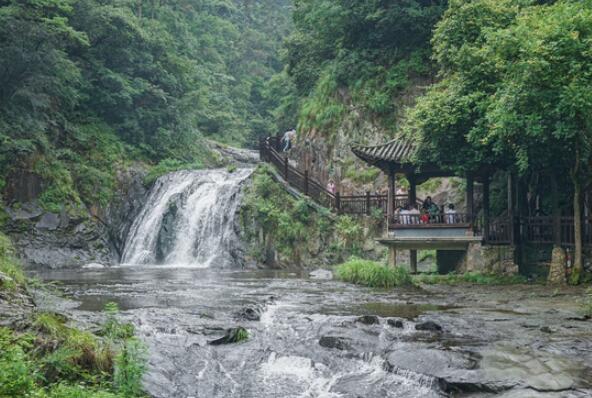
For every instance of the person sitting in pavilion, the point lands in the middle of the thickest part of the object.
(432, 209)
(414, 214)
(427, 203)
(450, 214)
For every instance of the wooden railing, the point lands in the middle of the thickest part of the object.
(497, 232)
(442, 219)
(270, 151)
(534, 230)
(540, 230)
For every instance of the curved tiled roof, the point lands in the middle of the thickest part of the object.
(395, 151)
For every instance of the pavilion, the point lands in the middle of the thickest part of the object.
(441, 233)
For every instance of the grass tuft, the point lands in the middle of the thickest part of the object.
(372, 274)
(12, 277)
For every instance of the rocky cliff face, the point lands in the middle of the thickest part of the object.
(328, 155)
(77, 235)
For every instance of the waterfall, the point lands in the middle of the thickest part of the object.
(188, 220)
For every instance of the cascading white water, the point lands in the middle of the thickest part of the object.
(188, 220)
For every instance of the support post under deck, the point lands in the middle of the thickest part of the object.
(413, 261)
(392, 256)
(390, 209)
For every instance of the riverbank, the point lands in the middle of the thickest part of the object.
(45, 355)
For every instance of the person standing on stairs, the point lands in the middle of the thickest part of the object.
(288, 138)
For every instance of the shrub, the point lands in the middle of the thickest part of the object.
(17, 375)
(130, 365)
(113, 329)
(372, 274)
(10, 266)
(350, 233)
(78, 391)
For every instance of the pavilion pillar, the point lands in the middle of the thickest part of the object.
(390, 208)
(486, 207)
(470, 204)
(412, 200)
(412, 189)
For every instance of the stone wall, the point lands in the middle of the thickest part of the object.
(478, 258)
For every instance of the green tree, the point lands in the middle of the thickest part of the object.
(544, 101)
(514, 91)
(357, 53)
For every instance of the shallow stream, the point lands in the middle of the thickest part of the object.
(517, 341)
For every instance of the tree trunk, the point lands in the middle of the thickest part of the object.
(578, 264)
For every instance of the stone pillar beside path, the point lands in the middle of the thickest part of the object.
(558, 267)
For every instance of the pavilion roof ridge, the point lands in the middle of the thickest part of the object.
(397, 150)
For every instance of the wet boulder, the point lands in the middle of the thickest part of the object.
(93, 266)
(546, 329)
(233, 335)
(368, 320)
(49, 221)
(250, 313)
(395, 323)
(338, 343)
(166, 234)
(429, 326)
(321, 274)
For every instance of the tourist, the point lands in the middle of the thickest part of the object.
(424, 218)
(404, 215)
(431, 208)
(450, 214)
(434, 212)
(427, 204)
(414, 215)
(331, 188)
(397, 215)
(287, 139)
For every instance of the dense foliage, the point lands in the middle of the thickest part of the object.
(514, 92)
(294, 227)
(88, 84)
(349, 55)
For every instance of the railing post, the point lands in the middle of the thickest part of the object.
(486, 206)
(306, 182)
(338, 202)
(286, 167)
(511, 206)
(368, 203)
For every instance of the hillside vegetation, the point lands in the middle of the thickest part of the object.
(87, 86)
(357, 56)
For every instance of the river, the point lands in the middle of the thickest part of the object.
(515, 341)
